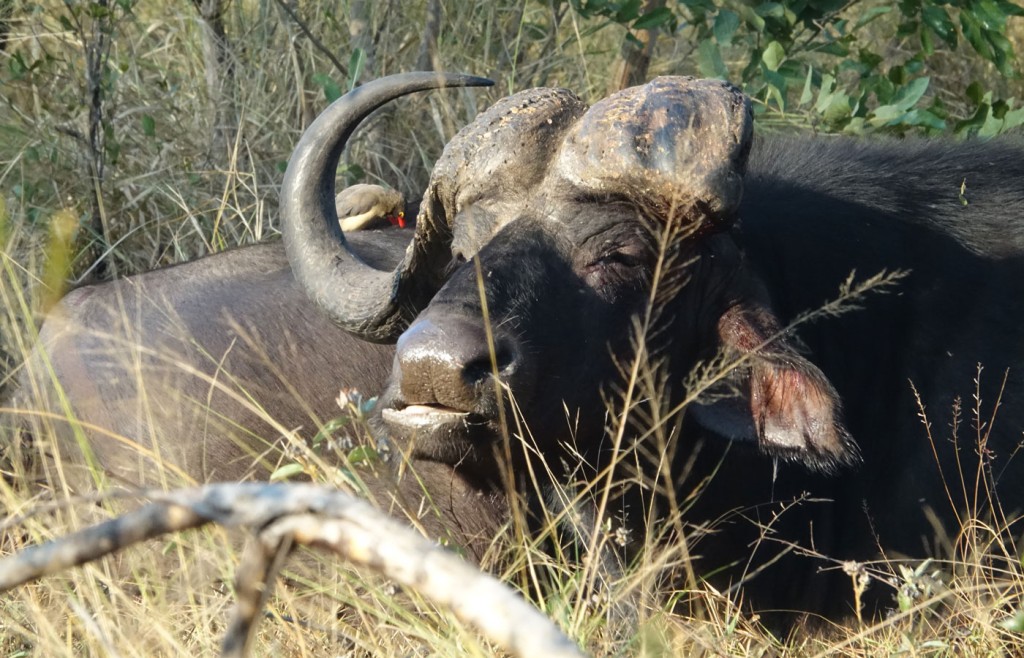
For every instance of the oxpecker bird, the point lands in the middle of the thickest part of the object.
(363, 206)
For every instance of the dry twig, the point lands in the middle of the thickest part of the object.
(303, 514)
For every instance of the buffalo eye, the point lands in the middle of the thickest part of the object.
(621, 258)
(616, 268)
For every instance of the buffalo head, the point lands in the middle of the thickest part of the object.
(547, 230)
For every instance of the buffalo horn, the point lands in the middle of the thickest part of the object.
(373, 304)
(676, 146)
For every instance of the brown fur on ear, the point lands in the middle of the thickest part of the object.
(784, 402)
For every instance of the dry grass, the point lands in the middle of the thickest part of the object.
(167, 197)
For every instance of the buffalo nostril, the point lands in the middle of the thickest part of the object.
(502, 362)
(449, 361)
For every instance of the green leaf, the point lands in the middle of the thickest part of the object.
(709, 60)
(1015, 624)
(975, 122)
(332, 91)
(825, 93)
(838, 108)
(871, 15)
(329, 428)
(1013, 119)
(367, 406)
(885, 114)
(836, 48)
(362, 454)
(898, 76)
(16, 65)
(652, 19)
(927, 45)
(589, 9)
(989, 15)
(870, 60)
(891, 115)
(286, 471)
(937, 18)
(750, 17)
(1010, 8)
(148, 126)
(924, 118)
(773, 55)
(627, 12)
(999, 118)
(352, 173)
(355, 67)
(98, 11)
(726, 24)
(908, 95)
(770, 10)
(1002, 52)
(1000, 108)
(775, 86)
(883, 89)
(806, 96)
(973, 32)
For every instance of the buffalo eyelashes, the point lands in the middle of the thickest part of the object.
(619, 259)
(622, 258)
(613, 269)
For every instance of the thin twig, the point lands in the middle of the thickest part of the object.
(254, 581)
(312, 39)
(97, 541)
(312, 516)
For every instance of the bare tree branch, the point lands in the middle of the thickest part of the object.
(359, 20)
(303, 514)
(630, 69)
(6, 18)
(312, 38)
(427, 59)
(95, 542)
(254, 581)
(220, 74)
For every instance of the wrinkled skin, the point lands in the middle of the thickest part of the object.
(562, 295)
(553, 210)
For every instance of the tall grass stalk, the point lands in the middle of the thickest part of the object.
(166, 197)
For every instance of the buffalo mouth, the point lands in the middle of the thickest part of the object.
(440, 433)
(428, 417)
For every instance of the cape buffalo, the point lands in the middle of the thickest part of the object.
(551, 231)
(205, 365)
(556, 240)
(195, 372)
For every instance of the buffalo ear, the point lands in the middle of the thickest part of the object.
(774, 396)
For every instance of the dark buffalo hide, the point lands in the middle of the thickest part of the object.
(558, 219)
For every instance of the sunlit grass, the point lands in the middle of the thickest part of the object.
(168, 198)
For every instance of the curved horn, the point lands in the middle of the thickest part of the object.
(365, 301)
(676, 146)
